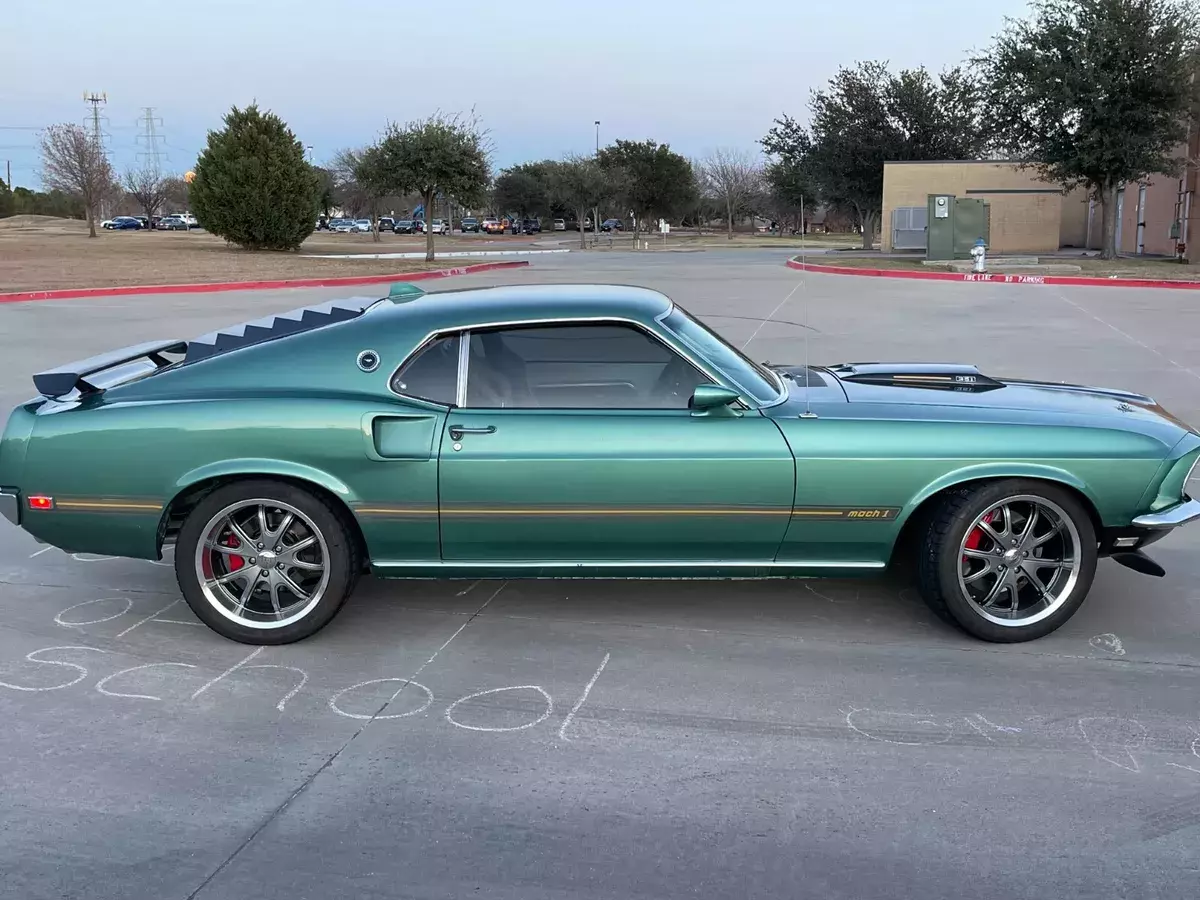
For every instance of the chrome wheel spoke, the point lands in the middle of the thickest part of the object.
(240, 534)
(994, 592)
(971, 553)
(274, 591)
(292, 549)
(226, 578)
(1030, 525)
(293, 587)
(264, 533)
(1056, 530)
(1006, 511)
(305, 566)
(226, 551)
(975, 576)
(986, 528)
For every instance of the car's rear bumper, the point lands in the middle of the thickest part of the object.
(1171, 517)
(10, 506)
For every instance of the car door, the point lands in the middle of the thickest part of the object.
(574, 442)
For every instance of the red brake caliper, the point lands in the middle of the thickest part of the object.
(234, 562)
(976, 534)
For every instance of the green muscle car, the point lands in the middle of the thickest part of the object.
(579, 431)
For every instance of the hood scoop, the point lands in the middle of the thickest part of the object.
(934, 376)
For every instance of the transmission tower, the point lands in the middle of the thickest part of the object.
(96, 100)
(150, 139)
(98, 134)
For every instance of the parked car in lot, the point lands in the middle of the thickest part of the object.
(122, 223)
(404, 226)
(492, 226)
(586, 431)
(469, 224)
(531, 226)
(362, 226)
(560, 225)
(385, 223)
(437, 226)
(612, 225)
(172, 223)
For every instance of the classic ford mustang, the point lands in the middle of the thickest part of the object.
(579, 431)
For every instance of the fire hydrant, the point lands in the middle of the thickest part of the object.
(979, 253)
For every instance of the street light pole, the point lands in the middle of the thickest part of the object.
(597, 137)
(595, 209)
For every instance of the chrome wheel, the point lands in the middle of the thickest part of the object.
(1019, 561)
(262, 563)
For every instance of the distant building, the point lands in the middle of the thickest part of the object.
(1030, 215)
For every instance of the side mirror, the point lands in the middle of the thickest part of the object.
(712, 397)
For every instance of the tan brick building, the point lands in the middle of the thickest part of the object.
(1035, 216)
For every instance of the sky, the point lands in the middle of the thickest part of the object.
(695, 74)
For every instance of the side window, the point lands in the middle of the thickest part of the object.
(432, 374)
(577, 367)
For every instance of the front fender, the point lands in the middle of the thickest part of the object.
(998, 470)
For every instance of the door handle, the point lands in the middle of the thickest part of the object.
(457, 431)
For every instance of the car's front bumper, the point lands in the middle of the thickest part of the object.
(1171, 517)
(10, 506)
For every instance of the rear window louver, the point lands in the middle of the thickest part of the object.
(938, 376)
(307, 318)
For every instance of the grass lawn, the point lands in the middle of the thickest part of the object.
(1157, 269)
(59, 254)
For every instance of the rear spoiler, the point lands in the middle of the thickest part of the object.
(56, 383)
(945, 375)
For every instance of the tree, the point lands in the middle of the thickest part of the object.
(175, 194)
(867, 116)
(654, 179)
(253, 186)
(734, 177)
(361, 181)
(524, 189)
(6, 200)
(791, 191)
(147, 187)
(579, 183)
(1095, 93)
(444, 155)
(74, 162)
(328, 189)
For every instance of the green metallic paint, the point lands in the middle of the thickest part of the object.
(673, 493)
(659, 484)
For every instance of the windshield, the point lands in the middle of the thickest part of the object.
(753, 379)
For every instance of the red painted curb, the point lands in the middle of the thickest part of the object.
(1078, 281)
(69, 293)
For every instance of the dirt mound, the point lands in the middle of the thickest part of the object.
(52, 224)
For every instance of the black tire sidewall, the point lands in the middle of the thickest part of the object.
(338, 540)
(947, 560)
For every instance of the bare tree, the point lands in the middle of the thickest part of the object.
(734, 177)
(580, 183)
(74, 162)
(148, 188)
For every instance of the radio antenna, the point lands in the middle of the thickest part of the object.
(808, 413)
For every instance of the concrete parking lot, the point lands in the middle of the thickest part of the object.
(577, 739)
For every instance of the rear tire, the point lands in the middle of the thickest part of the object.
(266, 562)
(1007, 561)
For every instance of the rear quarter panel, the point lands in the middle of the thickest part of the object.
(114, 468)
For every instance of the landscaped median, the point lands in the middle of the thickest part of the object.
(198, 287)
(1094, 272)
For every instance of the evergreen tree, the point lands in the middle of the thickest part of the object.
(253, 186)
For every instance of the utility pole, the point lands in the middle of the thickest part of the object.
(595, 209)
(8, 172)
(150, 139)
(97, 134)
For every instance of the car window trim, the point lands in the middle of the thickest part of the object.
(464, 331)
(607, 320)
(429, 340)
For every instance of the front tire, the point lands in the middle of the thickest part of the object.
(265, 562)
(1009, 560)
